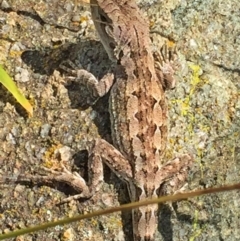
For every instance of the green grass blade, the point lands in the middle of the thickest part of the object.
(6, 80)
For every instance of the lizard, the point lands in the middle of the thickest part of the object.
(138, 112)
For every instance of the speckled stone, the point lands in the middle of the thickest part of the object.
(204, 111)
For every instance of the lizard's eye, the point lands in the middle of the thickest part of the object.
(103, 18)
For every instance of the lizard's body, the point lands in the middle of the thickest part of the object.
(138, 110)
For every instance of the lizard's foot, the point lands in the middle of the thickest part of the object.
(166, 65)
(91, 87)
(52, 177)
(176, 172)
(73, 179)
(71, 67)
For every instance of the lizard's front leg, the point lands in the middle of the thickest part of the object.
(96, 88)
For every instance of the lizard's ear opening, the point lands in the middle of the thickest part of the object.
(112, 45)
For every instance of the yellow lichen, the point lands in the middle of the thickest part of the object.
(49, 159)
(189, 112)
(14, 53)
